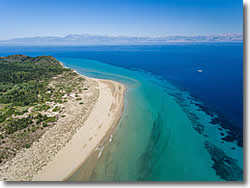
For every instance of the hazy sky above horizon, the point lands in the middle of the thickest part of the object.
(30, 18)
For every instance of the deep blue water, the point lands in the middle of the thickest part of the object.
(220, 85)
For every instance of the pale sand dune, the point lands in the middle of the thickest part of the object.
(103, 117)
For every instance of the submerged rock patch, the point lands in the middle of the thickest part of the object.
(225, 166)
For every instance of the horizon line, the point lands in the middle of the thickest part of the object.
(129, 36)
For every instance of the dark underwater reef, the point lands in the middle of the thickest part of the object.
(225, 166)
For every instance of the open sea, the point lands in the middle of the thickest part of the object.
(183, 115)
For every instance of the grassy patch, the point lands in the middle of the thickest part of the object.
(41, 107)
(56, 109)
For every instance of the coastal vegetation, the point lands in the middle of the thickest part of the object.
(31, 92)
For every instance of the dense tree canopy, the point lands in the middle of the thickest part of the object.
(23, 78)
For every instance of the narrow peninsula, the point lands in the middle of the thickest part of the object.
(52, 118)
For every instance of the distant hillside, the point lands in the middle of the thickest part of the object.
(85, 39)
(39, 60)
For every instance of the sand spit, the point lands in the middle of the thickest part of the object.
(65, 146)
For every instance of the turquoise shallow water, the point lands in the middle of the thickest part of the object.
(163, 134)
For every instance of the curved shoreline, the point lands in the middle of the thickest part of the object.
(64, 147)
(103, 117)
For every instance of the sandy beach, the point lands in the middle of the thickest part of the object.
(65, 146)
(103, 117)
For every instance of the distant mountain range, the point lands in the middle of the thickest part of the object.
(86, 39)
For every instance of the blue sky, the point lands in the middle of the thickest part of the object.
(27, 18)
